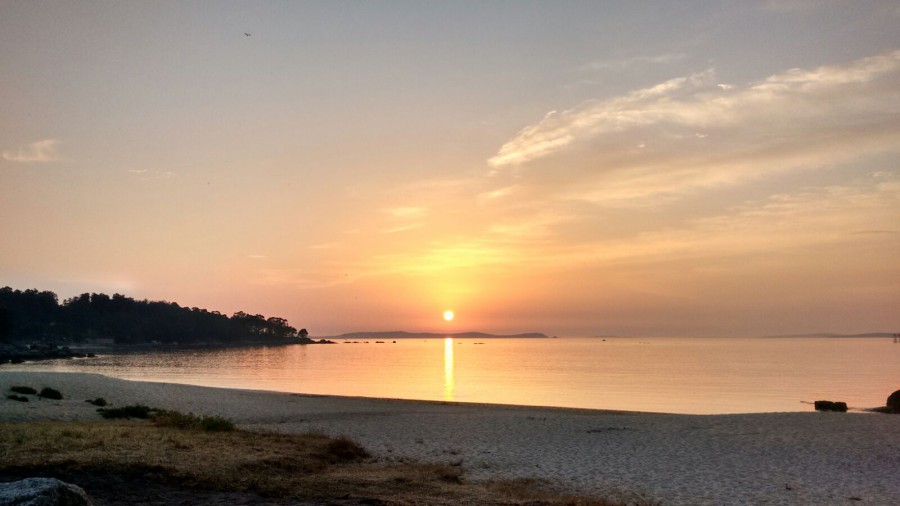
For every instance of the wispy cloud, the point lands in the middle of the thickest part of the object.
(326, 245)
(690, 132)
(799, 221)
(633, 183)
(37, 152)
(151, 175)
(635, 61)
(796, 5)
(407, 212)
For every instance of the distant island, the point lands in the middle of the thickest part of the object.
(830, 335)
(400, 334)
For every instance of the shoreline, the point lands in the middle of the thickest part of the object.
(773, 458)
(18, 353)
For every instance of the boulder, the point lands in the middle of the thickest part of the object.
(893, 402)
(42, 492)
(831, 406)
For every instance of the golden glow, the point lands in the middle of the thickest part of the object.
(448, 369)
(449, 315)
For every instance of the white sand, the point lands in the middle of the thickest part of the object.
(778, 458)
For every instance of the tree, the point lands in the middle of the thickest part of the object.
(6, 325)
(30, 314)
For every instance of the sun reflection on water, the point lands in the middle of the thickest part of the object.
(448, 368)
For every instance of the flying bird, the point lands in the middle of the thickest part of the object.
(246, 34)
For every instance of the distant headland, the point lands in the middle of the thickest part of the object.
(400, 334)
(830, 335)
(34, 325)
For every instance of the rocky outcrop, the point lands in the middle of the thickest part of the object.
(42, 492)
(831, 406)
(16, 354)
(893, 402)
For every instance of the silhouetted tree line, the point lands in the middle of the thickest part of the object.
(32, 315)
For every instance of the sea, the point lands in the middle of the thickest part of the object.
(670, 375)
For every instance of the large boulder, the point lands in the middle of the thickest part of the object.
(42, 492)
(831, 406)
(893, 402)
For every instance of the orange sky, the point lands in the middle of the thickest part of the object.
(577, 169)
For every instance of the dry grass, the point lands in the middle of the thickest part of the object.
(308, 466)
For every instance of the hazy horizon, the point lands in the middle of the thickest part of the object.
(635, 168)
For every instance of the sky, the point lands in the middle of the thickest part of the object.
(646, 168)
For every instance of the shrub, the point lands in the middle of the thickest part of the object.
(216, 424)
(23, 390)
(130, 411)
(50, 393)
(20, 398)
(165, 418)
(99, 401)
(344, 449)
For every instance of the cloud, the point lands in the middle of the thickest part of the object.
(636, 61)
(151, 175)
(695, 133)
(796, 5)
(691, 134)
(37, 152)
(575, 190)
(558, 130)
(326, 245)
(407, 212)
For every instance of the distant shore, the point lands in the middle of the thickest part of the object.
(400, 334)
(777, 458)
(19, 353)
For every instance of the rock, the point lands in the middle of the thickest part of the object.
(893, 402)
(831, 406)
(42, 492)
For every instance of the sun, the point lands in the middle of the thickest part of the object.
(448, 315)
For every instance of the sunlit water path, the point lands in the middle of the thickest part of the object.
(675, 375)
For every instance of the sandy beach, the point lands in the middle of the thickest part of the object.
(777, 458)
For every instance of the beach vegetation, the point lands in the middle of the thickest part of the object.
(50, 393)
(23, 390)
(20, 398)
(168, 418)
(342, 449)
(110, 457)
(129, 411)
(99, 401)
(216, 424)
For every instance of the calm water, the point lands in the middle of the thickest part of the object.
(659, 374)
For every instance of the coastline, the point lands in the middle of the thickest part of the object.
(773, 458)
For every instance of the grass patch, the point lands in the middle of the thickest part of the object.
(216, 424)
(23, 390)
(286, 467)
(20, 398)
(167, 418)
(343, 449)
(50, 393)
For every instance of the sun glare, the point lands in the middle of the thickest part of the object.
(448, 315)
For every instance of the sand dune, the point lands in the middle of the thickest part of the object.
(777, 458)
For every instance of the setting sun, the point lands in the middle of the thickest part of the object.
(448, 315)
